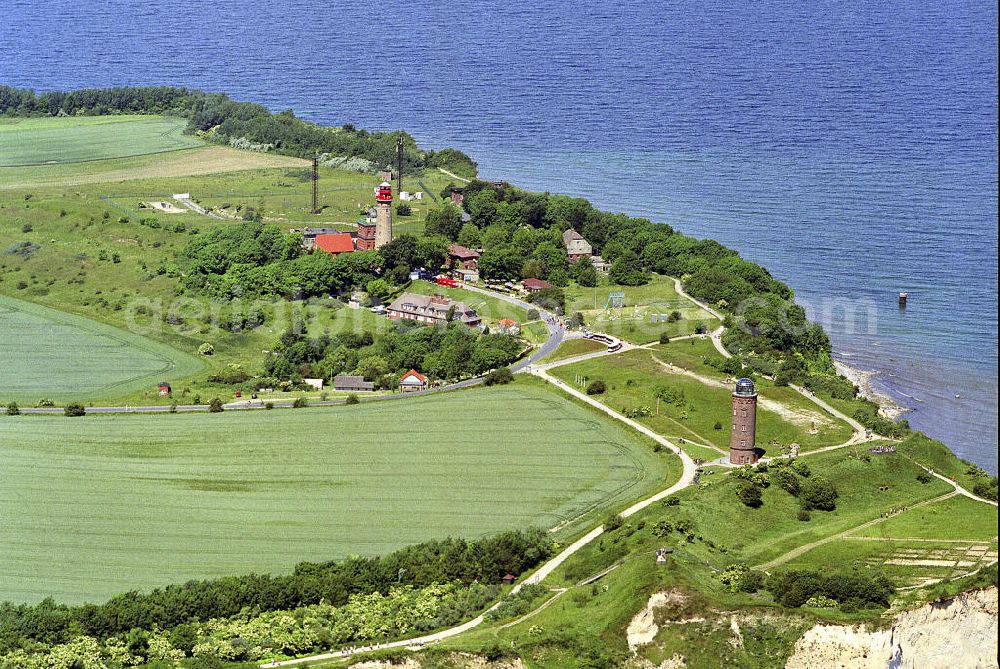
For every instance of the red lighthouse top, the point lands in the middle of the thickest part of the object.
(384, 192)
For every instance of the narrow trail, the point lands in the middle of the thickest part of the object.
(455, 176)
(805, 548)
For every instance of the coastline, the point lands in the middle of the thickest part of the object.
(888, 406)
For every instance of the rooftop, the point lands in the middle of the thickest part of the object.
(340, 242)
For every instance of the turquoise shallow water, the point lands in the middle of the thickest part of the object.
(850, 148)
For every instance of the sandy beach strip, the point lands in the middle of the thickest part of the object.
(888, 407)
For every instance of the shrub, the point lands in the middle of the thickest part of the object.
(717, 426)
(613, 522)
(404, 209)
(820, 602)
(664, 338)
(533, 314)
(804, 516)
(786, 480)
(173, 407)
(818, 493)
(13, 409)
(732, 576)
(752, 581)
(750, 495)
(206, 349)
(44, 403)
(986, 489)
(672, 501)
(800, 468)
(924, 477)
(352, 399)
(268, 405)
(597, 387)
(215, 405)
(74, 409)
(299, 403)
(500, 376)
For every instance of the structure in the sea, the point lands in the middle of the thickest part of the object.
(742, 448)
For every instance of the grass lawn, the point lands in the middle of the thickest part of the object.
(52, 354)
(758, 535)
(906, 563)
(783, 416)
(102, 504)
(954, 518)
(634, 322)
(573, 347)
(39, 141)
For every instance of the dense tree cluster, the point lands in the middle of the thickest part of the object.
(445, 351)
(220, 119)
(445, 561)
(252, 259)
(851, 591)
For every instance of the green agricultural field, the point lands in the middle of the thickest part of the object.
(40, 141)
(180, 164)
(98, 505)
(633, 322)
(52, 354)
(783, 416)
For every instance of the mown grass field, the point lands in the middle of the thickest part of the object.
(102, 504)
(38, 141)
(783, 416)
(633, 322)
(954, 518)
(59, 356)
(570, 348)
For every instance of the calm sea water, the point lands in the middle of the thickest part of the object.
(850, 147)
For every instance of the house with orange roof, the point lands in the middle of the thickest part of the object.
(413, 381)
(335, 243)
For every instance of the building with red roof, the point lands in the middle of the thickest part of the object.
(338, 242)
(460, 257)
(412, 381)
(535, 285)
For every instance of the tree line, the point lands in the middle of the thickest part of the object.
(421, 565)
(218, 118)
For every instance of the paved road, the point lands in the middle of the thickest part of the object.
(556, 332)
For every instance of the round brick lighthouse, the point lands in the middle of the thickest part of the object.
(741, 444)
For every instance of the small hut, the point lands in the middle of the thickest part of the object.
(164, 388)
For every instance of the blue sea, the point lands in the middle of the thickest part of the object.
(850, 147)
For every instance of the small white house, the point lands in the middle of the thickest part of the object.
(182, 196)
(314, 383)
